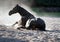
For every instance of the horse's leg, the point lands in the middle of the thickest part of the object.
(32, 25)
(15, 23)
(23, 22)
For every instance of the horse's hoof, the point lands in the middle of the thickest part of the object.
(18, 28)
(23, 27)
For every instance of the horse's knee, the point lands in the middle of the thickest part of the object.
(21, 27)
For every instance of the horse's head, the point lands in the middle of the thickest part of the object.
(20, 10)
(14, 10)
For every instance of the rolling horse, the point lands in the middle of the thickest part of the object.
(25, 16)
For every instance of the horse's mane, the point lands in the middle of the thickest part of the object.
(23, 11)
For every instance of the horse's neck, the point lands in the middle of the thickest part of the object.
(23, 12)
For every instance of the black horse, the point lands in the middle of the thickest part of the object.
(24, 13)
(34, 24)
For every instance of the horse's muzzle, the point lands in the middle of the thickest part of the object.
(10, 13)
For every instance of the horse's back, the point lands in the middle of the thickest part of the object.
(40, 21)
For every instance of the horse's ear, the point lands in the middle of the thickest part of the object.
(17, 5)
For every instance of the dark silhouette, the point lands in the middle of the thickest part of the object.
(24, 13)
(34, 24)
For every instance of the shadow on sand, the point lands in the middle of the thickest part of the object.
(11, 40)
(56, 31)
